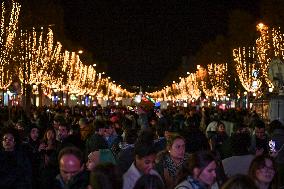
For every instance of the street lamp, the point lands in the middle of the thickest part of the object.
(94, 65)
(80, 51)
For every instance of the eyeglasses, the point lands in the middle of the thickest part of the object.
(265, 168)
(8, 139)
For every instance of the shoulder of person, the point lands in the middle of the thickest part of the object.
(184, 185)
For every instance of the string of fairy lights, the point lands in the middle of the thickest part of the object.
(251, 65)
(37, 59)
(7, 38)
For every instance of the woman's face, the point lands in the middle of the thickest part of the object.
(50, 135)
(177, 150)
(34, 134)
(221, 128)
(206, 176)
(266, 173)
(146, 163)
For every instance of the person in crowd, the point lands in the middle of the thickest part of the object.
(162, 121)
(110, 135)
(170, 161)
(195, 139)
(15, 169)
(193, 117)
(145, 155)
(49, 142)
(48, 153)
(72, 174)
(212, 126)
(65, 139)
(34, 155)
(106, 176)
(149, 182)
(240, 143)
(97, 140)
(277, 136)
(100, 156)
(85, 129)
(239, 182)
(74, 137)
(21, 130)
(126, 155)
(218, 139)
(118, 139)
(58, 120)
(259, 140)
(199, 173)
(161, 141)
(263, 171)
(63, 131)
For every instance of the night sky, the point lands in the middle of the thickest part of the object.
(138, 42)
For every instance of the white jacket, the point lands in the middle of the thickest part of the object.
(132, 175)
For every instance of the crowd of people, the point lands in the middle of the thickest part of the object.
(118, 148)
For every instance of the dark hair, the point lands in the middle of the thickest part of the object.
(275, 124)
(239, 182)
(258, 123)
(149, 182)
(258, 163)
(60, 119)
(45, 134)
(220, 123)
(71, 151)
(12, 131)
(144, 149)
(105, 175)
(146, 135)
(131, 136)
(200, 160)
(172, 139)
(98, 125)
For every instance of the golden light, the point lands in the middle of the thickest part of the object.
(247, 68)
(80, 51)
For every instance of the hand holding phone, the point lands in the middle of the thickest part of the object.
(272, 148)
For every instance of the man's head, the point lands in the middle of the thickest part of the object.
(109, 130)
(58, 120)
(63, 132)
(99, 127)
(259, 127)
(10, 138)
(83, 122)
(70, 163)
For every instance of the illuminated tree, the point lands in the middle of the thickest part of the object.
(217, 74)
(269, 45)
(247, 68)
(8, 34)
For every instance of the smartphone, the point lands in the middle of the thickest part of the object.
(271, 144)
